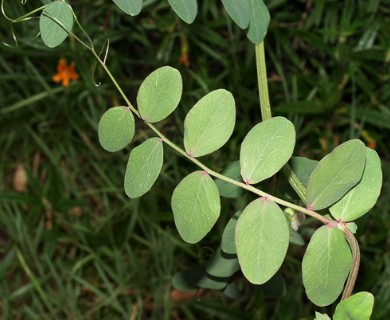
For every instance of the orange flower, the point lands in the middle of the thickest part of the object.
(65, 73)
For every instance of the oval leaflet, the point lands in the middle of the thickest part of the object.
(326, 265)
(159, 94)
(210, 123)
(196, 206)
(116, 128)
(362, 197)
(144, 166)
(266, 149)
(336, 174)
(55, 22)
(262, 239)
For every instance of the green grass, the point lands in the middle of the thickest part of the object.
(73, 246)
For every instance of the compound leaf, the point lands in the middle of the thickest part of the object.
(266, 149)
(196, 206)
(336, 174)
(159, 94)
(131, 7)
(185, 9)
(116, 128)
(55, 22)
(357, 307)
(262, 239)
(361, 198)
(259, 19)
(144, 166)
(325, 265)
(238, 10)
(210, 123)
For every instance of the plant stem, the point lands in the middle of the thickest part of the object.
(292, 178)
(354, 245)
(262, 82)
(266, 113)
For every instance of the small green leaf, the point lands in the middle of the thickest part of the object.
(210, 123)
(185, 9)
(131, 7)
(322, 316)
(222, 265)
(261, 240)
(238, 10)
(228, 243)
(361, 198)
(159, 94)
(266, 149)
(196, 206)
(258, 21)
(54, 32)
(357, 307)
(144, 166)
(336, 174)
(116, 128)
(303, 168)
(227, 189)
(325, 265)
(189, 280)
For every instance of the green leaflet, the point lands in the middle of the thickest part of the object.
(361, 198)
(228, 243)
(303, 168)
(159, 94)
(357, 307)
(53, 33)
(336, 174)
(325, 265)
(222, 265)
(259, 19)
(196, 206)
(144, 166)
(266, 149)
(185, 9)
(227, 189)
(238, 10)
(131, 7)
(262, 239)
(210, 123)
(116, 128)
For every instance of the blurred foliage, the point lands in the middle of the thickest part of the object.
(72, 245)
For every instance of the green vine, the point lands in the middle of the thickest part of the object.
(266, 114)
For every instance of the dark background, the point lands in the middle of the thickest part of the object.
(73, 246)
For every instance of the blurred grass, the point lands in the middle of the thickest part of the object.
(73, 246)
